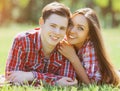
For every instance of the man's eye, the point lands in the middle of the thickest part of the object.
(63, 28)
(80, 28)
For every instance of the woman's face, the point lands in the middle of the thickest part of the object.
(78, 30)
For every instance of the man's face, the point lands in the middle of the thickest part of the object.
(54, 29)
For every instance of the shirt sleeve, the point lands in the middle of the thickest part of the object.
(90, 63)
(66, 70)
(16, 54)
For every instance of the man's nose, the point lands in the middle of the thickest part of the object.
(57, 31)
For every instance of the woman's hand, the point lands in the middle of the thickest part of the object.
(67, 50)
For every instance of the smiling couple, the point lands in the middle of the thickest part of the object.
(37, 55)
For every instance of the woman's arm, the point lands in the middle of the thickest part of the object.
(69, 52)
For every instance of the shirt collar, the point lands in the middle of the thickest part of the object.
(37, 41)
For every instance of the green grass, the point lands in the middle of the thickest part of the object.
(112, 43)
(92, 87)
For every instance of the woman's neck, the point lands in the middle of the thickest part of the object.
(78, 46)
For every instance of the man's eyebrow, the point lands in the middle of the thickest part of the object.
(53, 23)
(56, 25)
(63, 27)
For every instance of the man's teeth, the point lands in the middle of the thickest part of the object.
(71, 36)
(55, 37)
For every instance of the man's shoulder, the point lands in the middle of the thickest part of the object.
(30, 33)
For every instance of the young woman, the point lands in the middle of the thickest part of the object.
(85, 36)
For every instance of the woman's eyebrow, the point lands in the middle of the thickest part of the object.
(79, 25)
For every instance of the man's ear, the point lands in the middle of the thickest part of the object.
(41, 21)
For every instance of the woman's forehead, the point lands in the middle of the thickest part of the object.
(79, 19)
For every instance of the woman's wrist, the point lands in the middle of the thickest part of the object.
(73, 58)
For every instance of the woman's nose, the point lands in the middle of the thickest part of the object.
(72, 30)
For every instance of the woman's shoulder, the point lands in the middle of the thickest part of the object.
(87, 47)
(88, 44)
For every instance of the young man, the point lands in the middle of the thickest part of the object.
(34, 54)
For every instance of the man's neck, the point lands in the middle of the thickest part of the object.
(47, 48)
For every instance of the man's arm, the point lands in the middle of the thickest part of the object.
(15, 57)
(64, 78)
(65, 71)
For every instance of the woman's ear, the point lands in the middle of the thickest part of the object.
(41, 21)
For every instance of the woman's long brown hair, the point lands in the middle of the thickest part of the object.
(107, 70)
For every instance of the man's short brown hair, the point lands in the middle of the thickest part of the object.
(55, 8)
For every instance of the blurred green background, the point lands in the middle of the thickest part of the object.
(21, 15)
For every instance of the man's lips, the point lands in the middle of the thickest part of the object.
(54, 37)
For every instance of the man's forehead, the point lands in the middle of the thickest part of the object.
(56, 15)
(58, 20)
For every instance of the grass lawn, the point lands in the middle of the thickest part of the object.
(111, 39)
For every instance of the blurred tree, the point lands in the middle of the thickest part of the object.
(110, 8)
(5, 8)
(18, 10)
(73, 4)
(33, 10)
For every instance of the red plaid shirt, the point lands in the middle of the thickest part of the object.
(89, 61)
(27, 54)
